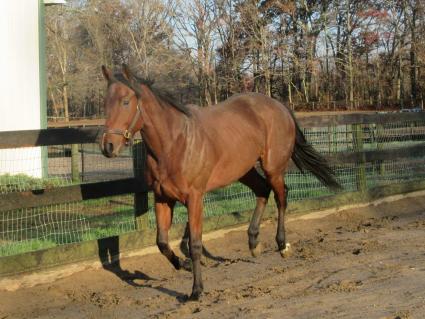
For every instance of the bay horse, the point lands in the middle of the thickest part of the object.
(191, 151)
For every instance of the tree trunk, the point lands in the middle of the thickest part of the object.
(55, 107)
(65, 102)
(378, 68)
(290, 92)
(350, 60)
(413, 68)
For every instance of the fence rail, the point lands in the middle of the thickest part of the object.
(364, 149)
(309, 121)
(47, 137)
(93, 132)
(72, 193)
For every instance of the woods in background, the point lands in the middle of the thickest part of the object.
(346, 54)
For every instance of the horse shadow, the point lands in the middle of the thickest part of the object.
(109, 256)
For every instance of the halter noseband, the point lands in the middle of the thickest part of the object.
(127, 134)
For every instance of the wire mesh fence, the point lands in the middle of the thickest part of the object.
(31, 229)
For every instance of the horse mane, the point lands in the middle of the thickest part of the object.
(163, 96)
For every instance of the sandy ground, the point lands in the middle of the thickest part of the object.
(358, 263)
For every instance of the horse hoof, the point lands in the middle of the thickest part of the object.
(195, 296)
(255, 252)
(287, 251)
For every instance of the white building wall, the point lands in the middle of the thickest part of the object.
(20, 82)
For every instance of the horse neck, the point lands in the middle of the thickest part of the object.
(162, 124)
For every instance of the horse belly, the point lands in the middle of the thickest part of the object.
(231, 168)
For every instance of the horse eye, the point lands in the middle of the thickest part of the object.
(126, 102)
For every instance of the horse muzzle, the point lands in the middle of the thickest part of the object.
(111, 145)
(108, 150)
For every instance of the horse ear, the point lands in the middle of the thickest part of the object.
(127, 72)
(106, 73)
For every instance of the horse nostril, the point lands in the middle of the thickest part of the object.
(109, 148)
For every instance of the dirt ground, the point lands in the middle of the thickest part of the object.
(358, 263)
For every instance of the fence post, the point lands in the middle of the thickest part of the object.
(140, 199)
(358, 147)
(329, 139)
(335, 138)
(82, 162)
(380, 146)
(75, 170)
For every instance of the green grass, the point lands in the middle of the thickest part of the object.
(15, 248)
(22, 182)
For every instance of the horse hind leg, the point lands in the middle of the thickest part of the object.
(184, 244)
(261, 189)
(280, 191)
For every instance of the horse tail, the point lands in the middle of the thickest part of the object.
(307, 158)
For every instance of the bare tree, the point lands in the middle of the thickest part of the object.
(352, 52)
(196, 36)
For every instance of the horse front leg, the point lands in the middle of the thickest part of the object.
(164, 216)
(195, 212)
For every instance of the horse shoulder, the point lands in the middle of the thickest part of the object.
(197, 154)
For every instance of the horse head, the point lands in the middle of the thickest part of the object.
(123, 110)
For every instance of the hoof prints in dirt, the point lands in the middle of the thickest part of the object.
(342, 286)
(368, 246)
(366, 225)
(95, 298)
(247, 292)
(309, 249)
(225, 262)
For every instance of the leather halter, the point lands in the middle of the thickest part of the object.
(127, 134)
